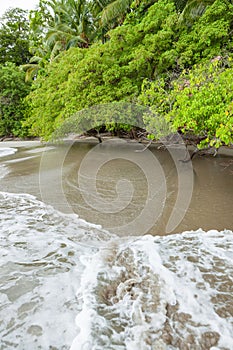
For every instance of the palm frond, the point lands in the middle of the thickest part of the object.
(57, 48)
(114, 10)
(35, 59)
(31, 71)
(75, 41)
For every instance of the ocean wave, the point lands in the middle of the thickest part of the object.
(172, 292)
(162, 292)
(40, 266)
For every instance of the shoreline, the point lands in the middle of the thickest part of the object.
(223, 150)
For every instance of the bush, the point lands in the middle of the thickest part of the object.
(12, 91)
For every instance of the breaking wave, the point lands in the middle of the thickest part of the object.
(163, 292)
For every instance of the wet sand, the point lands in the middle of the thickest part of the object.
(225, 151)
(16, 144)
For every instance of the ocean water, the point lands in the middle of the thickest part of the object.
(69, 284)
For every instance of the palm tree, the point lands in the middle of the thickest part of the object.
(114, 12)
(56, 26)
(36, 64)
(71, 25)
(108, 14)
(31, 68)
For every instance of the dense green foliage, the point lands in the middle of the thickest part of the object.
(154, 44)
(199, 102)
(57, 25)
(14, 37)
(104, 73)
(174, 57)
(12, 91)
(14, 51)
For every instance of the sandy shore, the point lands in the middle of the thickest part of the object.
(16, 144)
(51, 174)
(225, 151)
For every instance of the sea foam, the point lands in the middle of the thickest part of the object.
(163, 292)
(172, 292)
(6, 151)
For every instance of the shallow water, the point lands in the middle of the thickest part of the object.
(69, 284)
(53, 175)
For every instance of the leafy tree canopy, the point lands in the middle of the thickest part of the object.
(58, 25)
(14, 37)
(12, 91)
(154, 44)
(199, 102)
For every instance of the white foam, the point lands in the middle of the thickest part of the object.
(40, 265)
(172, 292)
(41, 149)
(3, 171)
(18, 160)
(159, 293)
(7, 151)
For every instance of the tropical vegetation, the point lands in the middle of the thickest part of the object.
(172, 58)
(14, 37)
(13, 89)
